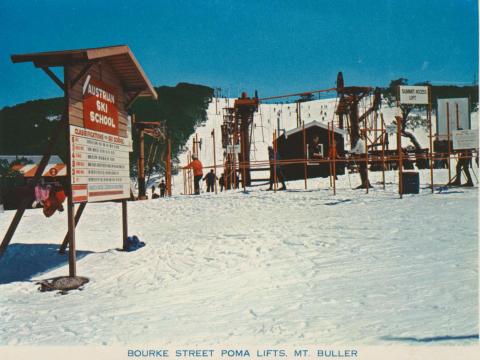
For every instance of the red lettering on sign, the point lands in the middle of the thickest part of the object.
(100, 108)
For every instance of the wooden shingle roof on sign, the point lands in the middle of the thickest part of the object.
(119, 57)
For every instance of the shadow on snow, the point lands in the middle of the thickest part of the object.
(21, 262)
(432, 339)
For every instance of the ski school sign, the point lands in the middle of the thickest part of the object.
(99, 152)
(99, 107)
(99, 85)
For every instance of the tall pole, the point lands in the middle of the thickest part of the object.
(72, 260)
(400, 157)
(329, 135)
(124, 224)
(334, 152)
(274, 161)
(169, 168)
(141, 166)
(304, 153)
(184, 171)
(448, 143)
(214, 161)
(429, 119)
(383, 149)
(367, 185)
(197, 152)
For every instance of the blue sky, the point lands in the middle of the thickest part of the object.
(276, 47)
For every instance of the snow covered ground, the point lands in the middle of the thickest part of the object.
(291, 268)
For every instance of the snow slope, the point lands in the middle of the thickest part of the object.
(291, 268)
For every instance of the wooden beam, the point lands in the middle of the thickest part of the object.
(124, 225)
(132, 99)
(78, 215)
(72, 254)
(53, 77)
(80, 75)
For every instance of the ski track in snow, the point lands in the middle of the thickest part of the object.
(295, 267)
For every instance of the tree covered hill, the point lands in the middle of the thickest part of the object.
(25, 128)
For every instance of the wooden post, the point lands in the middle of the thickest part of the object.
(383, 149)
(196, 152)
(448, 143)
(334, 160)
(400, 156)
(141, 166)
(124, 225)
(329, 136)
(214, 161)
(234, 157)
(189, 175)
(274, 161)
(304, 154)
(169, 168)
(78, 215)
(225, 174)
(366, 157)
(72, 259)
(184, 181)
(243, 162)
(429, 118)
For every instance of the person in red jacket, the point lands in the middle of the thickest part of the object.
(197, 167)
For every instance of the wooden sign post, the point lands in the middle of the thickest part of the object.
(413, 95)
(99, 86)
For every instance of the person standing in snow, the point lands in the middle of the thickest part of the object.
(210, 178)
(359, 153)
(463, 163)
(272, 157)
(221, 181)
(162, 187)
(197, 167)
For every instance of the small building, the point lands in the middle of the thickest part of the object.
(290, 146)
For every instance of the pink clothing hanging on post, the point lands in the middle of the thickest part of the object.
(41, 193)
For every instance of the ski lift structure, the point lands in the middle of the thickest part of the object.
(158, 131)
(357, 114)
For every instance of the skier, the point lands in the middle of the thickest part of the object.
(210, 178)
(275, 157)
(462, 164)
(197, 167)
(162, 187)
(221, 181)
(359, 152)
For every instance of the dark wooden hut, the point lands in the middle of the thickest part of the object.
(290, 146)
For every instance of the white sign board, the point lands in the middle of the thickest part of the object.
(414, 95)
(458, 116)
(231, 149)
(100, 165)
(391, 129)
(465, 139)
